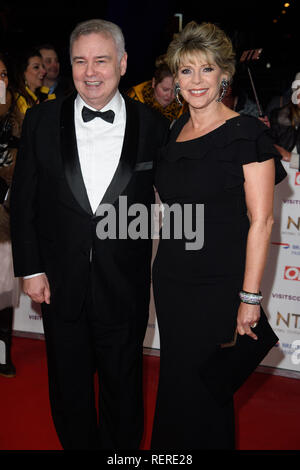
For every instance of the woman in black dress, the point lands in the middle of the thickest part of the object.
(226, 162)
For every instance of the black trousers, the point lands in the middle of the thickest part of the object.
(75, 351)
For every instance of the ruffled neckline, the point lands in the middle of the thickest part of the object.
(237, 129)
(208, 134)
(240, 127)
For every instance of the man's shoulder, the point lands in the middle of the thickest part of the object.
(47, 107)
(46, 113)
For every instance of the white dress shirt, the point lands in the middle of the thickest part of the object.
(99, 145)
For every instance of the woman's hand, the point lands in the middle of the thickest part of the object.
(248, 315)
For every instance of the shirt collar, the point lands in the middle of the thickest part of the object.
(33, 95)
(52, 88)
(115, 104)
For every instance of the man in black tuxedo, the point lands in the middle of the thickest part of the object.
(94, 292)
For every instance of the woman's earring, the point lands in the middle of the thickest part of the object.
(224, 86)
(176, 92)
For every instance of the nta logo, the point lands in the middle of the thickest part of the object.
(292, 222)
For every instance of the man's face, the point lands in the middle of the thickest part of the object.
(96, 68)
(51, 63)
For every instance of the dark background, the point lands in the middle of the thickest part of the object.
(148, 27)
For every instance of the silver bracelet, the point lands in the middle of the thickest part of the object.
(250, 297)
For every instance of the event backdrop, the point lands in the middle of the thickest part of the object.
(281, 283)
(280, 286)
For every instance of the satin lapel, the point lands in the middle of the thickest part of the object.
(70, 154)
(128, 157)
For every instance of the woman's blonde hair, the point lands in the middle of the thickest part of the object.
(206, 38)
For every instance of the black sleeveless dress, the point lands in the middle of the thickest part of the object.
(196, 291)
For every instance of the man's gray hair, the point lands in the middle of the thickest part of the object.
(103, 27)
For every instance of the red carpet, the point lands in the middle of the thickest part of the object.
(267, 407)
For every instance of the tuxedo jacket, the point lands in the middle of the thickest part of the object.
(53, 227)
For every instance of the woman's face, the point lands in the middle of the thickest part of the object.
(34, 73)
(3, 73)
(199, 78)
(164, 91)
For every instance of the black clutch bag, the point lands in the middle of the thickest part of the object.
(228, 367)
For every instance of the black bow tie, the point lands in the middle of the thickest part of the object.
(89, 114)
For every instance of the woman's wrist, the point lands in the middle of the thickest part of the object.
(252, 298)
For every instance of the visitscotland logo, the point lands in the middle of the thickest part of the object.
(283, 245)
(281, 296)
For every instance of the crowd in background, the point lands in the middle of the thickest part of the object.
(36, 77)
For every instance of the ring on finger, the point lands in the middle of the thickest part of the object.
(253, 325)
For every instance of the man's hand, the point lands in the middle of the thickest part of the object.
(37, 288)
